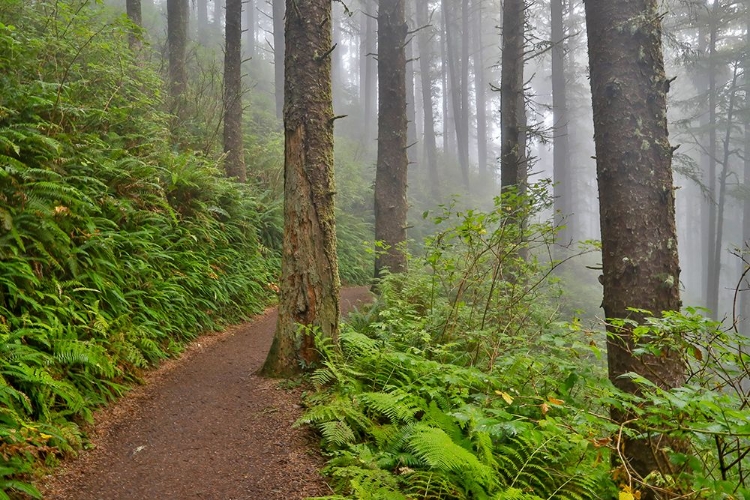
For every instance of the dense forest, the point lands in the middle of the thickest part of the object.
(548, 198)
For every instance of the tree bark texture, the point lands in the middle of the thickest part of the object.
(390, 175)
(561, 153)
(234, 162)
(636, 195)
(310, 284)
(278, 54)
(512, 150)
(177, 28)
(425, 57)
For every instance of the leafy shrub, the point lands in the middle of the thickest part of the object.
(458, 383)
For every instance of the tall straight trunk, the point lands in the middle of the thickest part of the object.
(390, 175)
(480, 93)
(512, 152)
(201, 8)
(723, 176)
(234, 162)
(463, 127)
(712, 280)
(411, 110)
(219, 6)
(636, 199)
(133, 9)
(337, 62)
(561, 154)
(309, 268)
(425, 56)
(702, 83)
(448, 124)
(457, 94)
(745, 296)
(177, 29)
(250, 28)
(368, 71)
(278, 10)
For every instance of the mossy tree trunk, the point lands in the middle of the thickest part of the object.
(390, 175)
(234, 163)
(309, 269)
(636, 196)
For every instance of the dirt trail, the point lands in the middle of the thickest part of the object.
(204, 426)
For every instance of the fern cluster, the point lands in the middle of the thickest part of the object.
(458, 384)
(398, 425)
(115, 249)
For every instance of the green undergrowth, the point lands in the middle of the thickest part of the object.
(462, 382)
(458, 383)
(406, 418)
(115, 248)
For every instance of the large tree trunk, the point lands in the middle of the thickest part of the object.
(425, 56)
(234, 163)
(309, 268)
(561, 155)
(177, 28)
(133, 9)
(636, 197)
(512, 154)
(278, 54)
(480, 92)
(390, 176)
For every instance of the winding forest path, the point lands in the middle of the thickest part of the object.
(203, 426)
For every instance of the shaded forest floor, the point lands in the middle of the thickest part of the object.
(203, 426)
